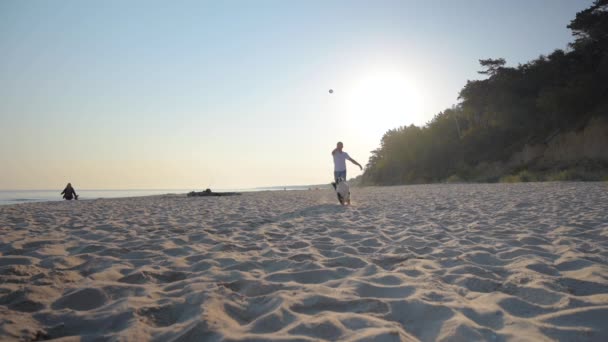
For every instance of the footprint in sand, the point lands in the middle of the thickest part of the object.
(81, 300)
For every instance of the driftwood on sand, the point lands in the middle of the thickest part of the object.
(208, 192)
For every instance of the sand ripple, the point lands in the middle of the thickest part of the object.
(436, 262)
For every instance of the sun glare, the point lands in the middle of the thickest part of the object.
(382, 100)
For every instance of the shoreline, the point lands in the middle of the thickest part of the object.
(161, 192)
(98, 194)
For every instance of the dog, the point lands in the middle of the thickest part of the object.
(343, 190)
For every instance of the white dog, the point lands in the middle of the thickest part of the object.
(343, 191)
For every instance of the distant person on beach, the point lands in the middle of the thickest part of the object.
(69, 193)
(340, 158)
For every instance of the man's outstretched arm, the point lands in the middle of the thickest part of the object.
(355, 162)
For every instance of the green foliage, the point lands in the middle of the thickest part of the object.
(591, 24)
(492, 66)
(527, 176)
(497, 116)
(454, 179)
(523, 176)
(587, 171)
(510, 179)
(561, 176)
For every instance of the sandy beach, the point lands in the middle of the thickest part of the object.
(493, 262)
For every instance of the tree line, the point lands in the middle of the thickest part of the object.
(499, 115)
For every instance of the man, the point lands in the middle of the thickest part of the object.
(340, 158)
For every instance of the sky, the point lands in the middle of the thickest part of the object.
(235, 94)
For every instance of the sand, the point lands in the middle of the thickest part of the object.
(491, 262)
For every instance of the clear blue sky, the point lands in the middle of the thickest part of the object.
(228, 94)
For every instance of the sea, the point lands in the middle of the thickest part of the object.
(26, 196)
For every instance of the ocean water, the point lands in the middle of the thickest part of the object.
(24, 196)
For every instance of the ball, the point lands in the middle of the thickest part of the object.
(331, 91)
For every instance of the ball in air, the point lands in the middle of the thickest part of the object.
(331, 91)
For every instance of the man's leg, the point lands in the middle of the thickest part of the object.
(338, 174)
(335, 182)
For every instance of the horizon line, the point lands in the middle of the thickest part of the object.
(167, 189)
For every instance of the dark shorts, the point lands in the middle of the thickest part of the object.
(339, 174)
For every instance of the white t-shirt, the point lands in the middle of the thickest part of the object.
(340, 161)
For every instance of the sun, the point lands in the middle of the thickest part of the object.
(382, 100)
